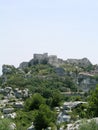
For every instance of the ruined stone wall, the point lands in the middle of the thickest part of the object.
(40, 58)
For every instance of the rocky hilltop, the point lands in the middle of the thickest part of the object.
(81, 71)
(79, 62)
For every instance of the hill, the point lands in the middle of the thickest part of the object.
(37, 89)
(45, 71)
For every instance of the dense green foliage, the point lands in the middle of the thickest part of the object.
(56, 99)
(93, 103)
(36, 110)
(5, 124)
(40, 76)
(44, 117)
(90, 109)
(24, 119)
(79, 112)
(34, 102)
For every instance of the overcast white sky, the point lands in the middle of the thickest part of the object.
(66, 28)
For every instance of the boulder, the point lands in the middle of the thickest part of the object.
(31, 127)
(12, 126)
(18, 105)
(10, 115)
(18, 93)
(8, 110)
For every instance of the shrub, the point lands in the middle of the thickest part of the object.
(92, 125)
(5, 124)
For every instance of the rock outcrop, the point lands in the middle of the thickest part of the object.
(86, 81)
(79, 62)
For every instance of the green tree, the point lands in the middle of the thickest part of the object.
(34, 102)
(23, 119)
(44, 117)
(47, 93)
(56, 98)
(93, 103)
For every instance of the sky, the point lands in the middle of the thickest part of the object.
(66, 28)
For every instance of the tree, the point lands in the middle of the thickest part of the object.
(56, 98)
(47, 93)
(23, 119)
(93, 103)
(44, 117)
(34, 102)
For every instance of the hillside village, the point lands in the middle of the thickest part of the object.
(71, 80)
